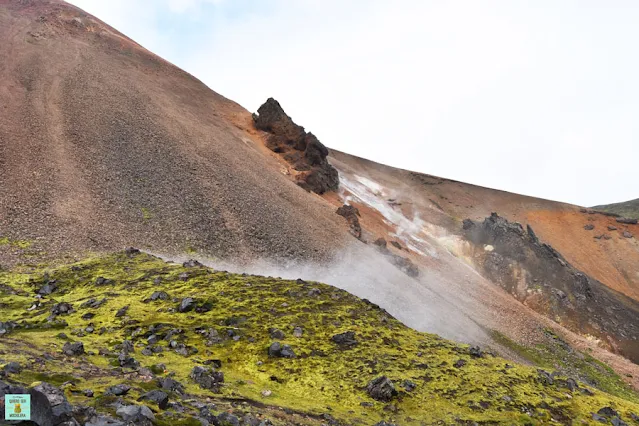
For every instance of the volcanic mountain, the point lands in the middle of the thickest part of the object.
(104, 145)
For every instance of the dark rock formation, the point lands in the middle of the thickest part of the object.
(118, 390)
(535, 273)
(187, 304)
(207, 379)
(346, 339)
(136, 414)
(277, 350)
(381, 389)
(627, 221)
(73, 349)
(351, 214)
(302, 150)
(403, 263)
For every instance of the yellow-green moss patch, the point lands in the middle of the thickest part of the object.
(322, 379)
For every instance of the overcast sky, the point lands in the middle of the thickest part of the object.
(536, 97)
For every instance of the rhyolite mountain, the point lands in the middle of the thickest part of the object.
(104, 145)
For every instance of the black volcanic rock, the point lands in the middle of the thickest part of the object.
(581, 302)
(381, 389)
(302, 150)
(627, 221)
(351, 214)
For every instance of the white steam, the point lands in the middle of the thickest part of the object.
(419, 303)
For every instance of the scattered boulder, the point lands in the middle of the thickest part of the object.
(627, 234)
(73, 349)
(127, 346)
(405, 265)
(170, 384)
(351, 214)
(346, 339)
(156, 396)
(49, 287)
(381, 244)
(228, 419)
(607, 412)
(276, 333)
(460, 363)
(118, 390)
(191, 263)
(102, 281)
(589, 227)
(314, 292)
(381, 389)
(545, 377)
(187, 304)
(612, 228)
(397, 245)
(62, 308)
(131, 251)
(159, 295)
(616, 421)
(127, 361)
(122, 311)
(298, 332)
(6, 327)
(137, 414)
(277, 350)
(101, 420)
(409, 386)
(12, 368)
(207, 379)
(93, 303)
(475, 352)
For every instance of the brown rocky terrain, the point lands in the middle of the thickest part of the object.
(103, 145)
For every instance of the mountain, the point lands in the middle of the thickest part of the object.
(104, 145)
(629, 209)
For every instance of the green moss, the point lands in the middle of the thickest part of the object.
(322, 378)
(21, 244)
(146, 214)
(557, 355)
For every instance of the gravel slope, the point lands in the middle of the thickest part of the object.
(103, 144)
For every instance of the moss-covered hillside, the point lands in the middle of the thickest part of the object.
(629, 209)
(126, 311)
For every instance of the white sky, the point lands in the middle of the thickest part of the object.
(538, 97)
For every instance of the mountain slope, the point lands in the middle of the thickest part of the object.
(104, 144)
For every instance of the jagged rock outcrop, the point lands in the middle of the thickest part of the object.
(351, 214)
(539, 276)
(302, 150)
(402, 263)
